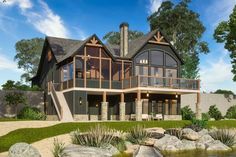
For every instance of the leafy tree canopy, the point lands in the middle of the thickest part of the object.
(12, 85)
(114, 37)
(28, 52)
(184, 29)
(222, 91)
(225, 33)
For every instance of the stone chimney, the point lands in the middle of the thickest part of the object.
(124, 40)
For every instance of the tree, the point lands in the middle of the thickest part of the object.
(12, 85)
(114, 37)
(28, 52)
(13, 99)
(183, 28)
(225, 33)
(222, 91)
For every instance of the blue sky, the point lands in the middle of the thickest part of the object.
(25, 19)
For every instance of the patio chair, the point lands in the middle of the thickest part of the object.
(157, 117)
(132, 116)
(145, 117)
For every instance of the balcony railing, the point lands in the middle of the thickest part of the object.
(135, 81)
(160, 82)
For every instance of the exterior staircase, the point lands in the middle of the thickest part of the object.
(62, 108)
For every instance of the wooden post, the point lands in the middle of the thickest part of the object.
(104, 97)
(122, 74)
(100, 67)
(198, 114)
(74, 58)
(85, 67)
(110, 73)
(122, 97)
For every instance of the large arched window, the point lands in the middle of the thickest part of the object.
(156, 63)
(170, 61)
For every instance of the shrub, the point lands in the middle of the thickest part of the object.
(119, 143)
(98, 136)
(215, 113)
(187, 113)
(31, 113)
(225, 136)
(58, 149)
(205, 116)
(231, 112)
(137, 134)
(197, 125)
(175, 132)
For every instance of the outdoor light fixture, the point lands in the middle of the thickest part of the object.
(147, 94)
(80, 100)
(176, 95)
(96, 105)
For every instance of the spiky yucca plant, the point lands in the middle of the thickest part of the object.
(97, 136)
(137, 134)
(225, 136)
(58, 149)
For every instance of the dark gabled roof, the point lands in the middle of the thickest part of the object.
(114, 49)
(61, 46)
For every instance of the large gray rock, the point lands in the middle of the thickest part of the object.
(168, 143)
(217, 146)
(155, 130)
(186, 145)
(23, 150)
(205, 139)
(189, 134)
(147, 151)
(203, 132)
(84, 151)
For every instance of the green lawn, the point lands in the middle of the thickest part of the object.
(31, 135)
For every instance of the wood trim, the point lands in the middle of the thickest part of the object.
(81, 56)
(85, 68)
(156, 42)
(158, 39)
(94, 45)
(100, 68)
(94, 42)
(122, 73)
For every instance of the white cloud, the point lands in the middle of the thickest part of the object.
(23, 4)
(7, 64)
(219, 11)
(154, 5)
(217, 75)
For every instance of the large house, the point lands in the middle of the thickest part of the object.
(89, 80)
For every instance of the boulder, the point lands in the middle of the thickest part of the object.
(167, 143)
(189, 134)
(205, 139)
(131, 148)
(23, 150)
(147, 151)
(217, 146)
(85, 151)
(186, 145)
(149, 142)
(201, 146)
(156, 135)
(203, 132)
(155, 130)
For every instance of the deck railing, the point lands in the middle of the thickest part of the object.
(135, 81)
(160, 82)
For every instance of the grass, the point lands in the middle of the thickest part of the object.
(31, 135)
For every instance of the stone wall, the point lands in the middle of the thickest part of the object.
(206, 100)
(34, 98)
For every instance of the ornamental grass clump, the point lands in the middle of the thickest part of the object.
(97, 136)
(175, 132)
(225, 136)
(137, 134)
(58, 149)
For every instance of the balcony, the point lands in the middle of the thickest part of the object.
(134, 82)
(161, 82)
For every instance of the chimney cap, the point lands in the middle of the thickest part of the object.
(124, 24)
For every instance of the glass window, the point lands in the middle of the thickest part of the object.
(116, 70)
(127, 70)
(170, 61)
(157, 57)
(65, 73)
(105, 69)
(71, 71)
(171, 73)
(141, 70)
(142, 58)
(92, 68)
(157, 72)
(79, 68)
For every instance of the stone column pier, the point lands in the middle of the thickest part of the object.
(138, 110)
(104, 111)
(122, 111)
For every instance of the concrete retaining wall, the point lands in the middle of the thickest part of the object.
(206, 100)
(34, 98)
